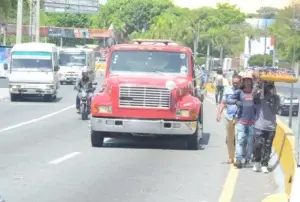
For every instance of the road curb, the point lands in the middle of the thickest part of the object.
(281, 197)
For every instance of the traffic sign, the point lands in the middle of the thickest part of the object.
(71, 6)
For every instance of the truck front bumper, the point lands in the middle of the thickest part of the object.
(32, 91)
(138, 126)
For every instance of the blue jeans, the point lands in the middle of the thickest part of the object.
(244, 134)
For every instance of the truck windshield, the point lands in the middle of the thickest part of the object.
(72, 59)
(31, 60)
(149, 62)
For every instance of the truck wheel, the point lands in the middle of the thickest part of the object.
(193, 141)
(48, 98)
(13, 98)
(97, 139)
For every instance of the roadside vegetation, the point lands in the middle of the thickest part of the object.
(222, 27)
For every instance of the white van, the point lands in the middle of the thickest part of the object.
(34, 71)
(73, 61)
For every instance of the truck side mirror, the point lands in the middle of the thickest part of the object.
(5, 66)
(56, 68)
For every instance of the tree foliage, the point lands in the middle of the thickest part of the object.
(222, 27)
(258, 60)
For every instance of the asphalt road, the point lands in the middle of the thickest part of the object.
(286, 90)
(46, 156)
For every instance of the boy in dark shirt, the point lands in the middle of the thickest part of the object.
(267, 102)
(246, 119)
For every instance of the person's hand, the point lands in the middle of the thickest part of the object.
(238, 103)
(218, 118)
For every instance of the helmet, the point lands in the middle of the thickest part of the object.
(84, 75)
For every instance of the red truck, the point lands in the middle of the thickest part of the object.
(150, 89)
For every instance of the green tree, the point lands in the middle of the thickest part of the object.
(258, 60)
(130, 16)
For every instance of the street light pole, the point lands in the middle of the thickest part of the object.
(19, 22)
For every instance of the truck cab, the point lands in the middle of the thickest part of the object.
(73, 61)
(149, 90)
(34, 71)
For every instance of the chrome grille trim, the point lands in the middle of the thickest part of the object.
(146, 97)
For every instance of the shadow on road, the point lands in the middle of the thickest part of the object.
(37, 99)
(174, 143)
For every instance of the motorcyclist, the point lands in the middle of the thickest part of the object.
(86, 83)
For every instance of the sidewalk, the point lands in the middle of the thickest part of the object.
(246, 185)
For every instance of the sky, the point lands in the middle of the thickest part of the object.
(248, 6)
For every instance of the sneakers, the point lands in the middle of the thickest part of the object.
(256, 167)
(264, 169)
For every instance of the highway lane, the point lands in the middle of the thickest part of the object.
(286, 89)
(50, 159)
(22, 111)
(122, 171)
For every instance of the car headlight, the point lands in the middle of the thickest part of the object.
(105, 109)
(14, 86)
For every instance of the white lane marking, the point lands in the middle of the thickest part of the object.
(66, 157)
(36, 119)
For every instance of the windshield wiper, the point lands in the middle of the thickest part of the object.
(159, 72)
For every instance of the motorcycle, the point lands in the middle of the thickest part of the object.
(84, 104)
(85, 96)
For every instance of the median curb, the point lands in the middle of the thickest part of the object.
(281, 197)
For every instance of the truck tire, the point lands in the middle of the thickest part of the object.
(49, 98)
(193, 140)
(13, 98)
(97, 138)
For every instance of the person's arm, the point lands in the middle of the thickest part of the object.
(222, 105)
(275, 103)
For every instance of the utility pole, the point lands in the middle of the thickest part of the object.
(37, 20)
(265, 42)
(207, 58)
(19, 22)
(221, 56)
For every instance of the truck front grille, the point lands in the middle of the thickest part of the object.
(148, 97)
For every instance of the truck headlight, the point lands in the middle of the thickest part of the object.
(105, 109)
(51, 86)
(183, 112)
(186, 113)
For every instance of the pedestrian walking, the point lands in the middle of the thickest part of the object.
(243, 99)
(231, 112)
(219, 84)
(267, 102)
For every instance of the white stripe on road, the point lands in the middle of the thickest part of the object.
(36, 119)
(66, 157)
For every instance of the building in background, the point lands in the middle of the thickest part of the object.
(257, 46)
(259, 23)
